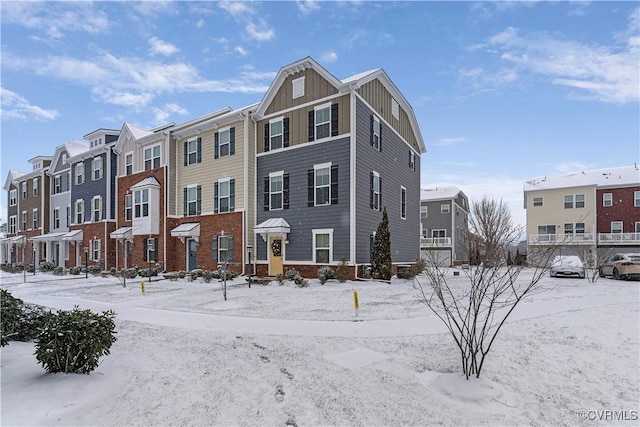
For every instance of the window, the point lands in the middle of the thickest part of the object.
(637, 228)
(376, 196)
(68, 216)
(224, 143)
(96, 209)
(636, 198)
(616, 227)
(128, 208)
(322, 245)
(79, 173)
(79, 211)
(395, 109)
(24, 190)
(438, 233)
(323, 122)
(425, 232)
(56, 218)
(444, 208)
(546, 233)
(141, 203)
(579, 201)
(568, 202)
(95, 249)
(193, 151)
(224, 197)
(57, 187)
(276, 134)
(225, 248)
(412, 160)
(64, 158)
(537, 201)
(35, 187)
(403, 203)
(24, 220)
(35, 219)
(12, 224)
(579, 228)
(13, 197)
(150, 249)
(375, 133)
(96, 168)
(298, 87)
(152, 157)
(192, 200)
(275, 191)
(607, 199)
(424, 211)
(322, 184)
(128, 163)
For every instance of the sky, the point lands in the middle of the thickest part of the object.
(502, 91)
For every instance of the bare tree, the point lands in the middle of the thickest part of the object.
(475, 310)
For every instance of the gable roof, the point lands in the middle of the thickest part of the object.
(129, 130)
(343, 86)
(73, 148)
(606, 177)
(11, 176)
(439, 193)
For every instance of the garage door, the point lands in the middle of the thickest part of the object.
(439, 258)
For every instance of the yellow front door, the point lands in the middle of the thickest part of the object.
(275, 261)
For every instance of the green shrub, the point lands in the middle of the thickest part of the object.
(10, 319)
(207, 276)
(75, 270)
(280, 278)
(325, 273)
(182, 274)
(94, 269)
(146, 272)
(291, 274)
(224, 274)
(47, 266)
(342, 272)
(74, 341)
(20, 321)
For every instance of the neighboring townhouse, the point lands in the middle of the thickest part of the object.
(444, 226)
(211, 191)
(571, 213)
(141, 197)
(32, 209)
(93, 201)
(14, 243)
(331, 155)
(55, 244)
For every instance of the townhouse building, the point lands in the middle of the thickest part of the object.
(92, 175)
(55, 243)
(139, 235)
(13, 245)
(591, 213)
(444, 226)
(330, 156)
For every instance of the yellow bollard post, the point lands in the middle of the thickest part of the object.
(355, 301)
(142, 286)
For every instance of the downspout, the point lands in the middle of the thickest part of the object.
(352, 184)
(254, 198)
(245, 216)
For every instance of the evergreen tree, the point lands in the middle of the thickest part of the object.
(381, 267)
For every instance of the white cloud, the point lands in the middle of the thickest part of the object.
(236, 9)
(56, 18)
(256, 28)
(606, 73)
(162, 115)
(161, 47)
(307, 6)
(445, 142)
(240, 50)
(260, 31)
(15, 106)
(328, 57)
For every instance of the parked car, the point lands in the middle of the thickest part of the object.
(567, 266)
(621, 266)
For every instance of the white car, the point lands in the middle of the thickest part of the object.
(567, 266)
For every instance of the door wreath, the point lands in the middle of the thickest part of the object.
(276, 247)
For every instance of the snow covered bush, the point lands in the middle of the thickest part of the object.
(325, 273)
(207, 276)
(74, 341)
(19, 321)
(342, 272)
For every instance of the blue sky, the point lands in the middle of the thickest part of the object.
(503, 91)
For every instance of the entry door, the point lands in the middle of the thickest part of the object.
(191, 254)
(275, 261)
(56, 254)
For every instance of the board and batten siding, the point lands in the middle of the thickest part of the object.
(303, 219)
(299, 122)
(392, 163)
(379, 98)
(210, 170)
(315, 87)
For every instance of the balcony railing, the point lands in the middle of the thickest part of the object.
(429, 242)
(619, 238)
(555, 239)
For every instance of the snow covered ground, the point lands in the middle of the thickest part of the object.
(276, 355)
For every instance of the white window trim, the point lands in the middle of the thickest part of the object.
(621, 226)
(541, 201)
(445, 208)
(220, 249)
(57, 184)
(25, 190)
(228, 196)
(376, 195)
(228, 143)
(127, 154)
(607, 198)
(80, 167)
(151, 159)
(281, 175)
(35, 223)
(35, 188)
(279, 119)
(315, 123)
(93, 208)
(95, 244)
(297, 87)
(376, 135)
(128, 208)
(637, 227)
(13, 224)
(195, 200)
(189, 151)
(328, 231)
(13, 197)
(636, 199)
(56, 218)
(317, 167)
(564, 201)
(438, 230)
(426, 211)
(403, 190)
(575, 201)
(24, 220)
(99, 170)
(395, 109)
(79, 202)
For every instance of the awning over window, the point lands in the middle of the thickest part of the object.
(72, 236)
(276, 226)
(49, 237)
(188, 229)
(122, 233)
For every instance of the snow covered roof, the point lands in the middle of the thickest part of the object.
(138, 132)
(12, 175)
(149, 181)
(439, 193)
(75, 147)
(359, 76)
(608, 177)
